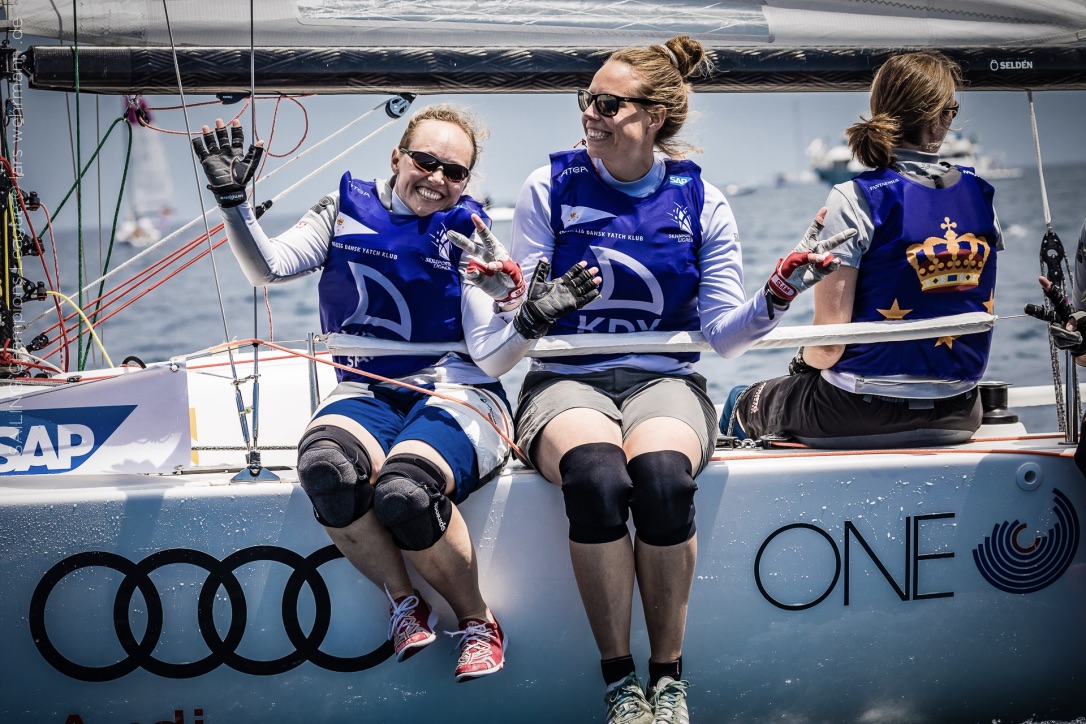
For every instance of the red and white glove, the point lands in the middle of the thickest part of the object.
(807, 264)
(489, 266)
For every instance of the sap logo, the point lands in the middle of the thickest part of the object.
(45, 442)
(679, 180)
(573, 169)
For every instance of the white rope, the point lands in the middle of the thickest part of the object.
(674, 342)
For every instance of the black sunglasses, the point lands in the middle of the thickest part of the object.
(430, 164)
(607, 103)
(952, 110)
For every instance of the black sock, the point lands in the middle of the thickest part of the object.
(674, 669)
(617, 669)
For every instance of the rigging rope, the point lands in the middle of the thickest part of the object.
(207, 231)
(1054, 265)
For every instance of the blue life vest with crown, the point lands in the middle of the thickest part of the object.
(933, 254)
(392, 276)
(646, 249)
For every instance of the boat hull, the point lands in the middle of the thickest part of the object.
(828, 588)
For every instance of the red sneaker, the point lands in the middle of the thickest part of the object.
(482, 649)
(411, 627)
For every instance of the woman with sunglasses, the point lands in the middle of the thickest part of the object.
(626, 434)
(925, 246)
(383, 463)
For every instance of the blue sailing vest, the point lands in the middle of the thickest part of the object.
(933, 255)
(392, 276)
(646, 249)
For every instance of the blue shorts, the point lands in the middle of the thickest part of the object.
(460, 424)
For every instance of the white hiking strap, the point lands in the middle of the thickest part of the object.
(675, 342)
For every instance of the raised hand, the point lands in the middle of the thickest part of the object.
(547, 301)
(1068, 323)
(227, 169)
(489, 266)
(807, 264)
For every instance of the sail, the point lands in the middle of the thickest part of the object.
(453, 46)
(557, 23)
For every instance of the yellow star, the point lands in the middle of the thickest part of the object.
(990, 304)
(948, 341)
(894, 312)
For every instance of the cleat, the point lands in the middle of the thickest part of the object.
(626, 703)
(668, 699)
(482, 649)
(411, 626)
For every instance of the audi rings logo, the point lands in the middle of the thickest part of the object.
(223, 650)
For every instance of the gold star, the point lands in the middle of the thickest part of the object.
(948, 341)
(990, 304)
(894, 312)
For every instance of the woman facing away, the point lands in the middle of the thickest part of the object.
(925, 246)
(385, 465)
(627, 433)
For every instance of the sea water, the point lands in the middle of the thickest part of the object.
(184, 314)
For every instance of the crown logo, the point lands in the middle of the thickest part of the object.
(953, 263)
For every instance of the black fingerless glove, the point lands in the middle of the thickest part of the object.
(548, 301)
(227, 170)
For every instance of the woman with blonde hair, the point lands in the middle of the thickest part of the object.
(925, 246)
(626, 434)
(384, 462)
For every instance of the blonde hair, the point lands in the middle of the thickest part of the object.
(462, 117)
(909, 92)
(662, 70)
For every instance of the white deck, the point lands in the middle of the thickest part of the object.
(840, 643)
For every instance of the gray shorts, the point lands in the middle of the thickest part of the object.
(627, 396)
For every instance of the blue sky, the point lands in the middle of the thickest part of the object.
(747, 138)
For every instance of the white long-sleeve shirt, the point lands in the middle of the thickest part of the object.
(303, 249)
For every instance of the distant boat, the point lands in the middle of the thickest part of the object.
(149, 183)
(835, 164)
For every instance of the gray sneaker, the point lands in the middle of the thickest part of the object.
(626, 703)
(668, 701)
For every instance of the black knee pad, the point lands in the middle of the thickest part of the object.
(334, 471)
(409, 500)
(596, 488)
(663, 497)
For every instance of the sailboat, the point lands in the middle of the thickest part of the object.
(835, 164)
(150, 195)
(160, 565)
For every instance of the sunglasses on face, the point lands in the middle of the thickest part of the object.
(952, 110)
(607, 103)
(430, 164)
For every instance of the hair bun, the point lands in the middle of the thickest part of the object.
(685, 53)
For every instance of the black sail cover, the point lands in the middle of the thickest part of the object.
(467, 46)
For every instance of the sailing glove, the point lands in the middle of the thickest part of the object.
(228, 171)
(798, 270)
(489, 266)
(547, 301)
(1068, 339)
